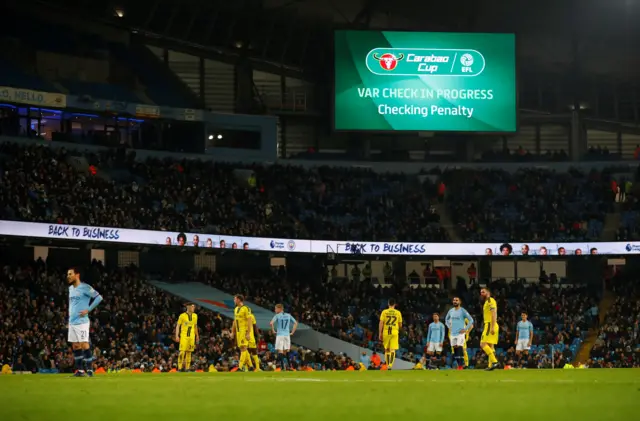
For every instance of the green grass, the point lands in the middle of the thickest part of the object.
(335, 396)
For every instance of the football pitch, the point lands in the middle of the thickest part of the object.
(539, 395)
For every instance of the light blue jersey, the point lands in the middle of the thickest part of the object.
(455, 320)
(525, 330)
(283, 322)
(80, 299)
(436, 333)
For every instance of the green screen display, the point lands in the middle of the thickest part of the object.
(425, 81)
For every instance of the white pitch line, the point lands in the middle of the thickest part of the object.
(441, 380)
(294, 380)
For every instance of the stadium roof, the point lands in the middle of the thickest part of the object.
(295, 34)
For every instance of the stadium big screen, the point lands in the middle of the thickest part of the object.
(425, 81)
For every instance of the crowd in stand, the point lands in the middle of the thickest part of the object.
(618, 343)
(132, 329)
(520, 154)
(132, 326)
(350, 311)
(117, 191)
(338, 307)
(529, 204)
(628, 199)
(114, 190)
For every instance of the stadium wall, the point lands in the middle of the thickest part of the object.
(315, 340)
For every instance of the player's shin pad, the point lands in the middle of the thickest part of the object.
(180, 360)
(459, 356)
(187, 361)
(246, 359)
(88, 359)
(78, 359)
(490, 354)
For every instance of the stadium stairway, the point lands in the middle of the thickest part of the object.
(143, 95)
(447, 223)
(60, 88)
(163, 86)
(611, 225)
(582, 356)
(222, 303)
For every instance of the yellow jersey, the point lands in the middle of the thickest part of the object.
(188, 324)
(391, 319)
(487, 308)
(241, 317)
(466, 326)
(254, 322)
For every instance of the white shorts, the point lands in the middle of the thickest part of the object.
(458, 340)
(434, 347)
(283, 343)
(522, 345)
(79, 333)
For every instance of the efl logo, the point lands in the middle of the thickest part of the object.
(388, 61)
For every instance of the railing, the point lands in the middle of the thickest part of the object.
(293, 100)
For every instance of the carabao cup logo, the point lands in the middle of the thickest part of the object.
(388, 61)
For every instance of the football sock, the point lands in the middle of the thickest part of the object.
(187, 361)
(78, 359)
(460, 356)
(256, 362)
(241, 361)
(88, 359)
(466, 357)
(387, 357)
(244, 361)
(180, 360)
(491, 354)
(392, 358)
(283, 362)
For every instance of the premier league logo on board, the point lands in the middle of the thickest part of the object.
(388, 61)
(280, 245)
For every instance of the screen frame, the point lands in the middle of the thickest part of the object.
(452, 132)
